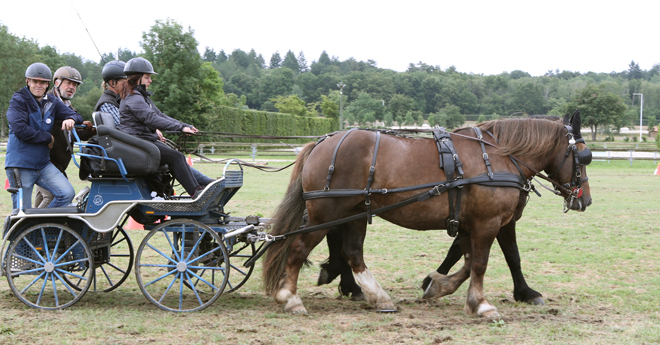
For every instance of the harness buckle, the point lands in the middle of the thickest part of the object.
(485, 155)
(452, 227)
(436, 189)
(384, 190)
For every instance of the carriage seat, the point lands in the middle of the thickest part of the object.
(140, 157)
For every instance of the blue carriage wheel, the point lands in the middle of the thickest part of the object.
(113, 263)
(182, 266)
(42, 261)
(240, 253)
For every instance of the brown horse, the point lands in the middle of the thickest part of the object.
(539, 145)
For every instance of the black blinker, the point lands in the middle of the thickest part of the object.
(584, 156)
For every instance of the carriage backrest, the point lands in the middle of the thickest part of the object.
(103, 119)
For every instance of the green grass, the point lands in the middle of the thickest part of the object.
(597, 271)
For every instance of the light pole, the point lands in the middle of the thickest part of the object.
(641, 110)
(341, 105)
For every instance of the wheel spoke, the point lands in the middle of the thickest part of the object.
(71, 274)
(14, 255)
(107, 277)
(65, 284)
(238, 269)
(161, 253)
(168, 287)
(68, 250)
(192, 286)
(34, 249)
(203, 280)
(199, 240)
(43, 287)
(32, 283)
(115, 267)
(161, 277)
(43, 237)
(205, 255)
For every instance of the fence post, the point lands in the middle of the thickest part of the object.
(254, 151)
(631, 156)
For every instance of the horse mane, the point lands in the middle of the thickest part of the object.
(526, 137)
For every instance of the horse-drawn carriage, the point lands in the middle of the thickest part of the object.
(193, 251)
(184, 262)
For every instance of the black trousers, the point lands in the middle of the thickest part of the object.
(178, 167)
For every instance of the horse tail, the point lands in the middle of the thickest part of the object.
(288, 217)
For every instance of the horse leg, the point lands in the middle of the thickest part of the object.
(330, 269)
(437, 283)
(521, 291)
(338, 265)
(352, 250)
(299, 250)
(482, 238)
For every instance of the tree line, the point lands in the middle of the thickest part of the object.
(190, 84)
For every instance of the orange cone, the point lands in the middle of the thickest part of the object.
(133, 225)
(190, 162)
(6, 184)
(657, 171)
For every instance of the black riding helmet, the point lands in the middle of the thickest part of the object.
(39, 71)
(113, 70)
(138, 65)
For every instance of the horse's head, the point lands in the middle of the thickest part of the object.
(569, 167)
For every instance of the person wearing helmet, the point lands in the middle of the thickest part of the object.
(140, 117)
(113, 78)
(65, 82)
(31, 115)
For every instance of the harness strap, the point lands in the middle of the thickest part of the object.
(477, 132)
(370, 180)
(331, 168)
(501, 179)
(508, 180)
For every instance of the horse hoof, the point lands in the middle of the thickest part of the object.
(386, 307)
(358, 297)
(434, 286)
(324, 277)
(491, 314)
(537, 301)
(297, 310)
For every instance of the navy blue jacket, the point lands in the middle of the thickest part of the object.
(30, 124)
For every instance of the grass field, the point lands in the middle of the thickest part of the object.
(598, 273)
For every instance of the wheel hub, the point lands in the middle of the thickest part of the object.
(49, 267)
(182, 266)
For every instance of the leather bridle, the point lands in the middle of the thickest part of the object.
(580, 158)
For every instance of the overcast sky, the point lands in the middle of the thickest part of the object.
(481, 37)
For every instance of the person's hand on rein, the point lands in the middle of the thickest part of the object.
(189, 130)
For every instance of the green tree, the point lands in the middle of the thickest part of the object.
(453, 116)
(178, 87)
(329, 108)
(409, 120)
(400, 105)
(276, 82)
(366, 104)
(209, 54)
(597, 107)
(275, 60)
(290, 105)
(388, 119)
(291, 62)
(436, 119)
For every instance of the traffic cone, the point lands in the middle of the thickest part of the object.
(657, 171)
(133, 225)
(189, 160)
(6, 183)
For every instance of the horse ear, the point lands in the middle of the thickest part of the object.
(566, 120)
(576, 123)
